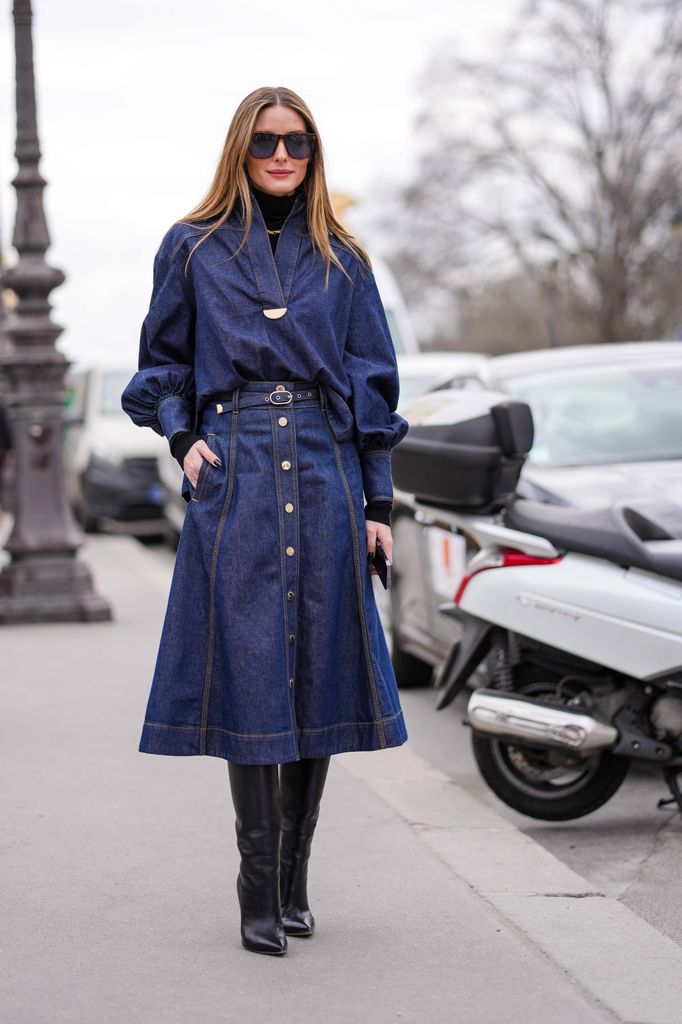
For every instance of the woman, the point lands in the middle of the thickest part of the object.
(266, 360)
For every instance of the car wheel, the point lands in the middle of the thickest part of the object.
(89, 523)
(410, 671)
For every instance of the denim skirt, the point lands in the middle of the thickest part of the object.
(272, 648)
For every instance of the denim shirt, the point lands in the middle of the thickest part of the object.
(206, 333)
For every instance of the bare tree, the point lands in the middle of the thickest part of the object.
(560, 150)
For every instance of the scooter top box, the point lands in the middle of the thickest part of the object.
(464, 449)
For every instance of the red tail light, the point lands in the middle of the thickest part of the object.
(500, 559)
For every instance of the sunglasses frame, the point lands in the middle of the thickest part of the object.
(310, 136)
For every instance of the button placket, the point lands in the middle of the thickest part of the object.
(287, 485)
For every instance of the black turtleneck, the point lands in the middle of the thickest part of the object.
(275, 210)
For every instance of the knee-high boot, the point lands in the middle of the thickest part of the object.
(256, 799)
(301, 786)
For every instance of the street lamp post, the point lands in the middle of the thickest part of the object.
(43, 581)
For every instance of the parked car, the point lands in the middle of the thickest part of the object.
(608, 425)
(399, 323)
(111, 464)
(421, 372)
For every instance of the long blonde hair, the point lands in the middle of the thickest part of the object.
(230, 182)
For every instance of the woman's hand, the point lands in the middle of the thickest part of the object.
(194, 458)
(383, 533)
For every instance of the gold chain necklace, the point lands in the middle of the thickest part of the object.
(272, 231)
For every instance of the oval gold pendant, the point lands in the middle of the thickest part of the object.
(274, 314)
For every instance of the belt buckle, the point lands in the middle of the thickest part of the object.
(280, 392)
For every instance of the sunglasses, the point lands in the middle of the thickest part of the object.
(298, 145)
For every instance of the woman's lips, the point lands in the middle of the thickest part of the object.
(280, 174)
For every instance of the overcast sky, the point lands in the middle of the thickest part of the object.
(134, 99)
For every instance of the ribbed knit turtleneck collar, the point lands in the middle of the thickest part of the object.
(275, 209)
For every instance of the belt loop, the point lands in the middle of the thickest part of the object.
(323, 395)
(235, 400)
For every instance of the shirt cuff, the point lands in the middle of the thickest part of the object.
(181, 444)
(379, 512)
(377, 481)
(173, 415)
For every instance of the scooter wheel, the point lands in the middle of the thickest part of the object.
(548, 784)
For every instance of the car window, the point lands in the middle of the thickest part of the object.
(412, 386)
(113, 384)
(466, 383)
(599, 414)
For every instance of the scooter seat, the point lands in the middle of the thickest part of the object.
(643, 534)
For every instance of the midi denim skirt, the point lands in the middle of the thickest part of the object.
(272, 648)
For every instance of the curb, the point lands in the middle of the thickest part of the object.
(625, 964)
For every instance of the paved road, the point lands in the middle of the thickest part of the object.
(118, 899)
(628, 849)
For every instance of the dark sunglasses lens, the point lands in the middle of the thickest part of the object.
(299, 146)
(263, 144)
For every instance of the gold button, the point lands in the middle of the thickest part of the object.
(289, 507)
(290, 595)
(286, 464)
(282, 421)
(280, 387)
(290, 551)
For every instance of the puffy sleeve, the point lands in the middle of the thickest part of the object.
(161, 395)
(371, 366)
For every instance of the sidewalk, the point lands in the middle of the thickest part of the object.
(118, 870)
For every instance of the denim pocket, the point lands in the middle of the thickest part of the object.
(204, 470)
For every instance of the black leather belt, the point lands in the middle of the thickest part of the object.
(256, 393)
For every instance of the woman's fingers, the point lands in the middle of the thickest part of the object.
(194, 458)
(379, 531)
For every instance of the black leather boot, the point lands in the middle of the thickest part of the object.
(301, 786)
(255, 795)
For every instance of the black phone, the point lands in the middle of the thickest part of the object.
(381, 563)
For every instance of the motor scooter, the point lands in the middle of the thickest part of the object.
(571, 617)
(574, 617)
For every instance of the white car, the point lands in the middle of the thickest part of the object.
(112, 465)
(399, 323)
(421, 372)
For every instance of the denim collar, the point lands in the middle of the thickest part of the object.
(274, 273)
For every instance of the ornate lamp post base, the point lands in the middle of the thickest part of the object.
(49, 588)
(43, 580)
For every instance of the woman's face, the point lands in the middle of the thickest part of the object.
(278, 174)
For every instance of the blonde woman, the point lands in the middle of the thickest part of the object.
(266, 361)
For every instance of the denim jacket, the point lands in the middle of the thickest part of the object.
(206, 333)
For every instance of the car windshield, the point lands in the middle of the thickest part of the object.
(414, 385)
(113, 383)
(599, 414)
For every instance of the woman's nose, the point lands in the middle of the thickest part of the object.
(281, 151)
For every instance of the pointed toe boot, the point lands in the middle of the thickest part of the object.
(256, 799)
(301, 786)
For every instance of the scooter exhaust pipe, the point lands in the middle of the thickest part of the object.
(512, 716)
